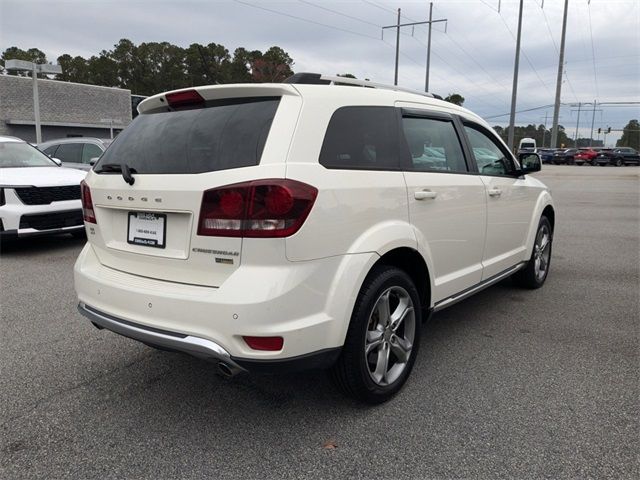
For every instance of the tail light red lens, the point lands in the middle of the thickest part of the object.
(184, 99)
(260, 209)
(271, 344)
(87, 203)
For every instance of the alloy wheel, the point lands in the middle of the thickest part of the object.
(390, 336)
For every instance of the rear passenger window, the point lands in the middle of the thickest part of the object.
(70, 152)
(434, 145)
(90, 151)
(362, 138)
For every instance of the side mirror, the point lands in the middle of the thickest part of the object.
(530, 162)
(93, 161)
(57, 161)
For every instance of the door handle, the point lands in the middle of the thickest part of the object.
(495, 192)
(424, 194)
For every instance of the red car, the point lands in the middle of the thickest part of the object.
(586, 155)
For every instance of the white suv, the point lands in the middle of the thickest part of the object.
(308, 224)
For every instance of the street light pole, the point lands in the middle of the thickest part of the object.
(34, 68)
(36, 103)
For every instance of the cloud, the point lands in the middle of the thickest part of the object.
(474, 57)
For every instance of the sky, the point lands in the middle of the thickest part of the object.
(472, 55)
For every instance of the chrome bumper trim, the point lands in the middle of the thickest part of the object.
(196, 346)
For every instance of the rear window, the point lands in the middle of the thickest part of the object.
(225, 134)
(361, 138)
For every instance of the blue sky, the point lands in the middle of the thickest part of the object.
(474, 57)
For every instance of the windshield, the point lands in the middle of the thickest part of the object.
(225, 134)
(18, 154)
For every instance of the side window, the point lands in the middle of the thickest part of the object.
(51, 150)
(361, 138)
(90, 151)
(70, 152)
(434, 145)
(491, 159)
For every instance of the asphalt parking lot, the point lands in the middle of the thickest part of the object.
(509, 383)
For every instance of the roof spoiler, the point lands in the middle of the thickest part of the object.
(319, 79)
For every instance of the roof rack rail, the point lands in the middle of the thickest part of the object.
(319, 79)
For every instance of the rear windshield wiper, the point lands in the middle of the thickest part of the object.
(119, 167)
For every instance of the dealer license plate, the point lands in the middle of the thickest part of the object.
(148, 229)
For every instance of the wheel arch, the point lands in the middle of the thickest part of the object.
(413, 264)
(545, 208)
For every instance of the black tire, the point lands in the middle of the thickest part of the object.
(351, 373)
(530, 276)
(619, 162)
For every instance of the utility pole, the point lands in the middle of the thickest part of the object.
(426, 81)
(593, 117)
(398, 26)
(575, 138)
(514, 89)
(395, 77)
(556, 107)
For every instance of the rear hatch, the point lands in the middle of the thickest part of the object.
(146, 191)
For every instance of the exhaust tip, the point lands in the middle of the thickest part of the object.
(225, 370)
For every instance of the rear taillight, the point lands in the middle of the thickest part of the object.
(87, 203)
(262, 208)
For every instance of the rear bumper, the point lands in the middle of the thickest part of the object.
(198, 347)
(309, 304)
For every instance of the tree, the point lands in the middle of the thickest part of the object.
(630, 135)
(74, 69)
(274, 66)
(207, 65)
(454, 98)
(240, 67)
(153, 67)
(32, 55)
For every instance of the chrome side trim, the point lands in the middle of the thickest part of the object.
(196, 346)
(442, 304)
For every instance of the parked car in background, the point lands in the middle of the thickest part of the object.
(36, 194)
(75, 152)
(527, 145)
(546, 154)
(304, 225)
(585, 156)
(565, 156)
(618, 156)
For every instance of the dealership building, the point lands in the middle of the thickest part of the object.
(66, 109)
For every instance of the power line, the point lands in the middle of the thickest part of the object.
(340, 13)
(555, 45)
(277, 12)
(452, 40)
(519, 111)
(526, 56)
